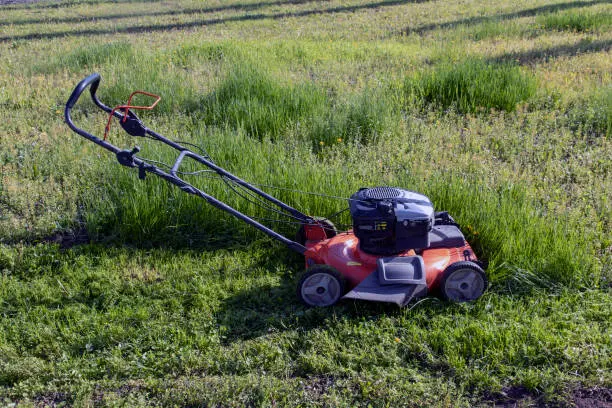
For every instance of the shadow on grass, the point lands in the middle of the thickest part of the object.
(268, 309)
(271, 309)
(191, 11)
(544, 54)
(204, 23)
(35, 4)
(500, 17)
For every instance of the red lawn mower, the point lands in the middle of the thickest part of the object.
(398, 248)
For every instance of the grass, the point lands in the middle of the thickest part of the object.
(252, 100)
(472, 85)
(575, 21)
(175, 303)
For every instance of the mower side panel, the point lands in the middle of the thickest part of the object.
(342, 252)
(438, 259)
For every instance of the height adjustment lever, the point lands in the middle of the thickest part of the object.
(126, 157)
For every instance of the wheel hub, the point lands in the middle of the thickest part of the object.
(464, 285)
(321, 289)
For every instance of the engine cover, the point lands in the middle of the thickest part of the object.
(389, 220)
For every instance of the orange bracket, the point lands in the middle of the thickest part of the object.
(129, 106)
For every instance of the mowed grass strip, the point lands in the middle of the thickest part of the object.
(155, 316)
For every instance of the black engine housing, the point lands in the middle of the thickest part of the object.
(389, 220)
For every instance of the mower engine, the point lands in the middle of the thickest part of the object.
(390, 220)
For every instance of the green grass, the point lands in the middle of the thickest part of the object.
(575, 21)
(175, 303)
(88, 58)
(250, 99)
(472, 85)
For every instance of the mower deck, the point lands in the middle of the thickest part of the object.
(360, 269)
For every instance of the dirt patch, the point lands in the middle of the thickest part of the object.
(513, 397)
(593, 397)
(519, 396)
(316, 386)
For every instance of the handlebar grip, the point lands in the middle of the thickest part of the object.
(93, 80)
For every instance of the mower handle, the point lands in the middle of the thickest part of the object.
(128, 158)
(92, 81)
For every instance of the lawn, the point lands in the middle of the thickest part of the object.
(120, 292)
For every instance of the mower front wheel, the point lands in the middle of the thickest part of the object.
(463, 281)
(321, 286)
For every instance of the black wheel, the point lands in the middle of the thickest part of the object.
(463, 282)
(328, 227)
(321, 286)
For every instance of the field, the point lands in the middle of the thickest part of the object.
(120, 292)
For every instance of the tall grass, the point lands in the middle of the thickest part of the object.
(507, 229)
(361, 117)
(592, 114)
(251, 99)
(472, 85)
(89, 57)
(575, 21)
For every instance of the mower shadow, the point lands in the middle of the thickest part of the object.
(272, 309)
(269, 308)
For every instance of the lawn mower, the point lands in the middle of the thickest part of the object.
(398, 248)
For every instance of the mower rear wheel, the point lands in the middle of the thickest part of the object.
(463, 282)
(321, 286)
(328, 227)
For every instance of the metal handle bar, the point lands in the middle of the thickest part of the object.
(127, 158)
(92, 81)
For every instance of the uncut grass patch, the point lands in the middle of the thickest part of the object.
(155, 213)
(360, 117)
(471, 85)
(504, 225)
(250, 99)
(265, 107)
(592, 114)
(574, 21)
(89, 57)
